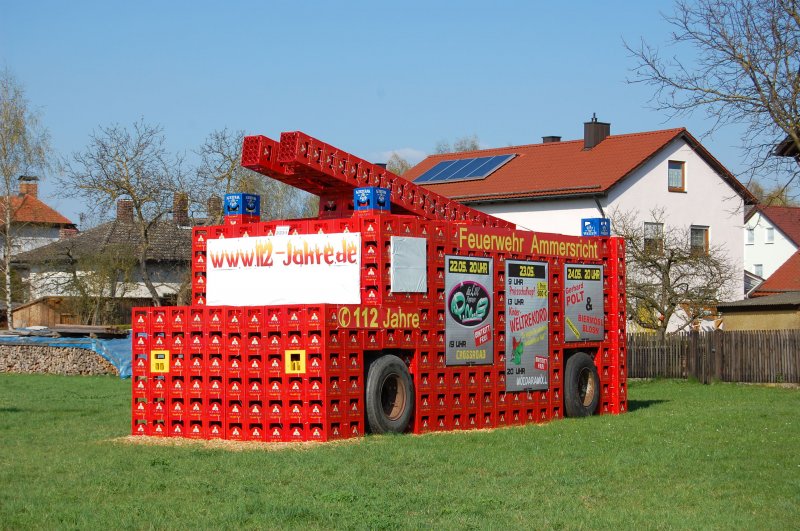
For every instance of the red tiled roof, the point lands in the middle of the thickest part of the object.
(29, 209)
(785, 278)
(787, 219)
(564, 168)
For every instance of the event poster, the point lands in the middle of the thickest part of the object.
(469, 323)
(583, 291)
(527, 326)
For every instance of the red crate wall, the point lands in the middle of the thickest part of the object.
(230, 380)
(436, 407)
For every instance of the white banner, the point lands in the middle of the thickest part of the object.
(277, 270)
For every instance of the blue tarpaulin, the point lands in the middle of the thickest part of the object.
(115, 351)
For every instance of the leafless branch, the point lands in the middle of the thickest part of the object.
(745, 69)
(668, 280)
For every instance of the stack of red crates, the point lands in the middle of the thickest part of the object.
(229, 376)
(615, 352)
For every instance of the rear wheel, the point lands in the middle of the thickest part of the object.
(390, 395)
(581, 386)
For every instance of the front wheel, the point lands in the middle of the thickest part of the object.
(390, 395)
(581, 386)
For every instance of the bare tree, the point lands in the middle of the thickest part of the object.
(102, 278)
(670, 277)
(746, 71)
(776, 196)
(220, 171)
(465, 143)
(397, 164)
(128, 163)
(94, 282)
(23, 148)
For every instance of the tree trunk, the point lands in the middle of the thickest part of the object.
(95, 309)
(146, 277)
(9, 313)
(145, 246)
(184, 295)
(8, 245)
(108, 302)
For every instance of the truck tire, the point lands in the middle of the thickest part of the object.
(390, 395)
(581, 386)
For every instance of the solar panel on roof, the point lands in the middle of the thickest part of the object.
(471, 166)
(447, 173)
(463, 169)
(433, 172)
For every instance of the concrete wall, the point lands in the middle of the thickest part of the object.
(48, 283)
(27, 237)
(774, 320)
(557, 216)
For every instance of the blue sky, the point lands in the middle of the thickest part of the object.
(368, 77)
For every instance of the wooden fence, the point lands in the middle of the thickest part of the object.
(761, 356)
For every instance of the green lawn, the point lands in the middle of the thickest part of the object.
(686, 455)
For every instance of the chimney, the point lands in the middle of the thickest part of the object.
(594, 132)
(214, 207)
(28, 185)
(550, 139)
(180, 209)
(125, 210)
(65, 233)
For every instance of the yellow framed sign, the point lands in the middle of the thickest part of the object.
(159, 361)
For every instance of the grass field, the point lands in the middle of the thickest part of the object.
(686, 455)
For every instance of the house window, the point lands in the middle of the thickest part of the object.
(758, 269)
(653, 237)
(769, 235)
(699, 239)
(751, 236)
(676, 176)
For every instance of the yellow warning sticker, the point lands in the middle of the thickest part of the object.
(159, 361)
(295, 361)
(573, 328)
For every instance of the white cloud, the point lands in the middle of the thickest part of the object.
(413, 156)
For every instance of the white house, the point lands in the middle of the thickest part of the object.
(771, 237)
(104, 259)
(33, 222)
(550, 186)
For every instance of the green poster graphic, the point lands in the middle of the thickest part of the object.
(469, 322)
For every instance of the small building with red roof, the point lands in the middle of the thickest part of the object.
(785, 279)
(771, 238)
(33, 223)
(550, 186)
